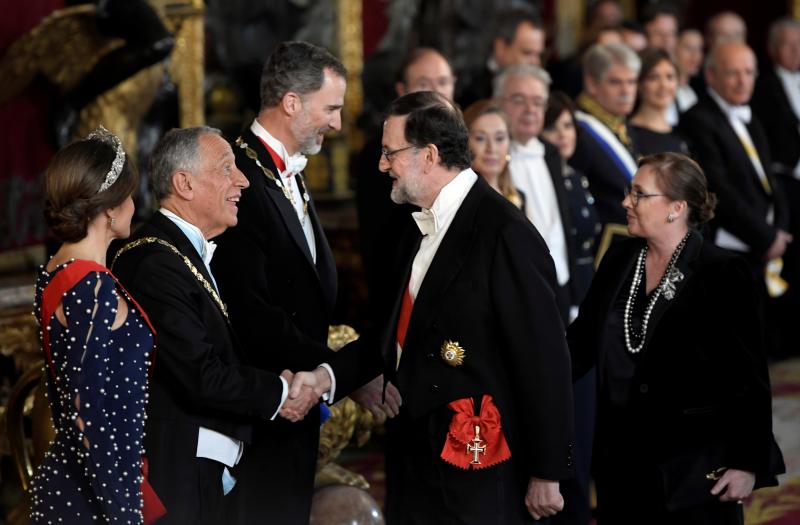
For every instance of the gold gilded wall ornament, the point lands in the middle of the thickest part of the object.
(453, 353)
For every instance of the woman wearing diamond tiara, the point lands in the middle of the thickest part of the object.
(684, 428)
(96, 343)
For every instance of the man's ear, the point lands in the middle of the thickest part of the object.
(291, 103)
(590, 85)
(430, 157)
(183, 185)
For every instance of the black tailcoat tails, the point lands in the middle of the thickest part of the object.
(201, 379)
(280, 305)
(490, 287)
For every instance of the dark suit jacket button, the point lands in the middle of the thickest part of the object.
(434, 388)
(643, 388)
(431, 355)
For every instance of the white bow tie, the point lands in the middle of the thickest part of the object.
(426, 221)
(741, 113)
(208, 252)
(295, 164)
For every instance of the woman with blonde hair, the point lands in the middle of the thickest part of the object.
(489, 142)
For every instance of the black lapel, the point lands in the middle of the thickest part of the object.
(447, 262)
(177, 238)
(685, 264)
(326, 265)
(555, 168)
(773, 80)
(731, 137)
(171, 233)
(407, 252)
(616, 280)
(276, 195)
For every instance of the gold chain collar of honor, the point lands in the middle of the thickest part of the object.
(199, 276)
(251, 154)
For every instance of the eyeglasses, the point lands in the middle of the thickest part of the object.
(636, 195)
(389, 155)
(521, 100)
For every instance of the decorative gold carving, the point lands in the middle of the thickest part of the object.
(453, 353)
(351, 51)
(19, 336)
(122, 108)
(186, 67)
(62, 48)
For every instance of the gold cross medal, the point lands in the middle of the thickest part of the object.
(453, 353)
(476, 447)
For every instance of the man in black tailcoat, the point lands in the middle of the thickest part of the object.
(471, 335)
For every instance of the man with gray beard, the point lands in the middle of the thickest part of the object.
(605, 151)
(276, 272)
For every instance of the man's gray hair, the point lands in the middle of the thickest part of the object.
(602, 57)
(298, 67)
(778, 26)
(176, 151)
(519, 70)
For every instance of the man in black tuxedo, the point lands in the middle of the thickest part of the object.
(203, 395)
(729, 143)
(277, 273)
(470, 334)
(518, 37)
(536, 167)
(776, 102)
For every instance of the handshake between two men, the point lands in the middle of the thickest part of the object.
(306, 389)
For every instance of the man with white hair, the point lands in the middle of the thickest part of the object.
(604, 150)
(536, 165)
(729, 142)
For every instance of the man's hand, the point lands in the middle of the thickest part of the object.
(739, 485)
(318, 380)
(778, 246)
(369, 396)
(295, 409)
(543, 498)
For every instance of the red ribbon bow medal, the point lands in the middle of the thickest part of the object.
(475, 441)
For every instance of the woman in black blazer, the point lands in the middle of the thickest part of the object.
(684, 423)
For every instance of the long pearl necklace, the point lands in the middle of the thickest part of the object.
(666, 286)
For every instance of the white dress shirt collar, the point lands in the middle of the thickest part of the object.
(741, 113)
(294, 163)
(204, 248)
(444, 208)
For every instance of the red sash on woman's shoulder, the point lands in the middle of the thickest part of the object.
(65, 280)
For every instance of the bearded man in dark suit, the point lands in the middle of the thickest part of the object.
(471, 335)
(277, 273)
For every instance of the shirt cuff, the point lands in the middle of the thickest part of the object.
(330, 395)
(284, 395)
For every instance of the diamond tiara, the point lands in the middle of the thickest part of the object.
(103, 135)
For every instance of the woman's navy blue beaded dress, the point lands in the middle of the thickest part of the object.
(94, 475)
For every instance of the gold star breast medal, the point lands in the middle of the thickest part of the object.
(453, 353)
